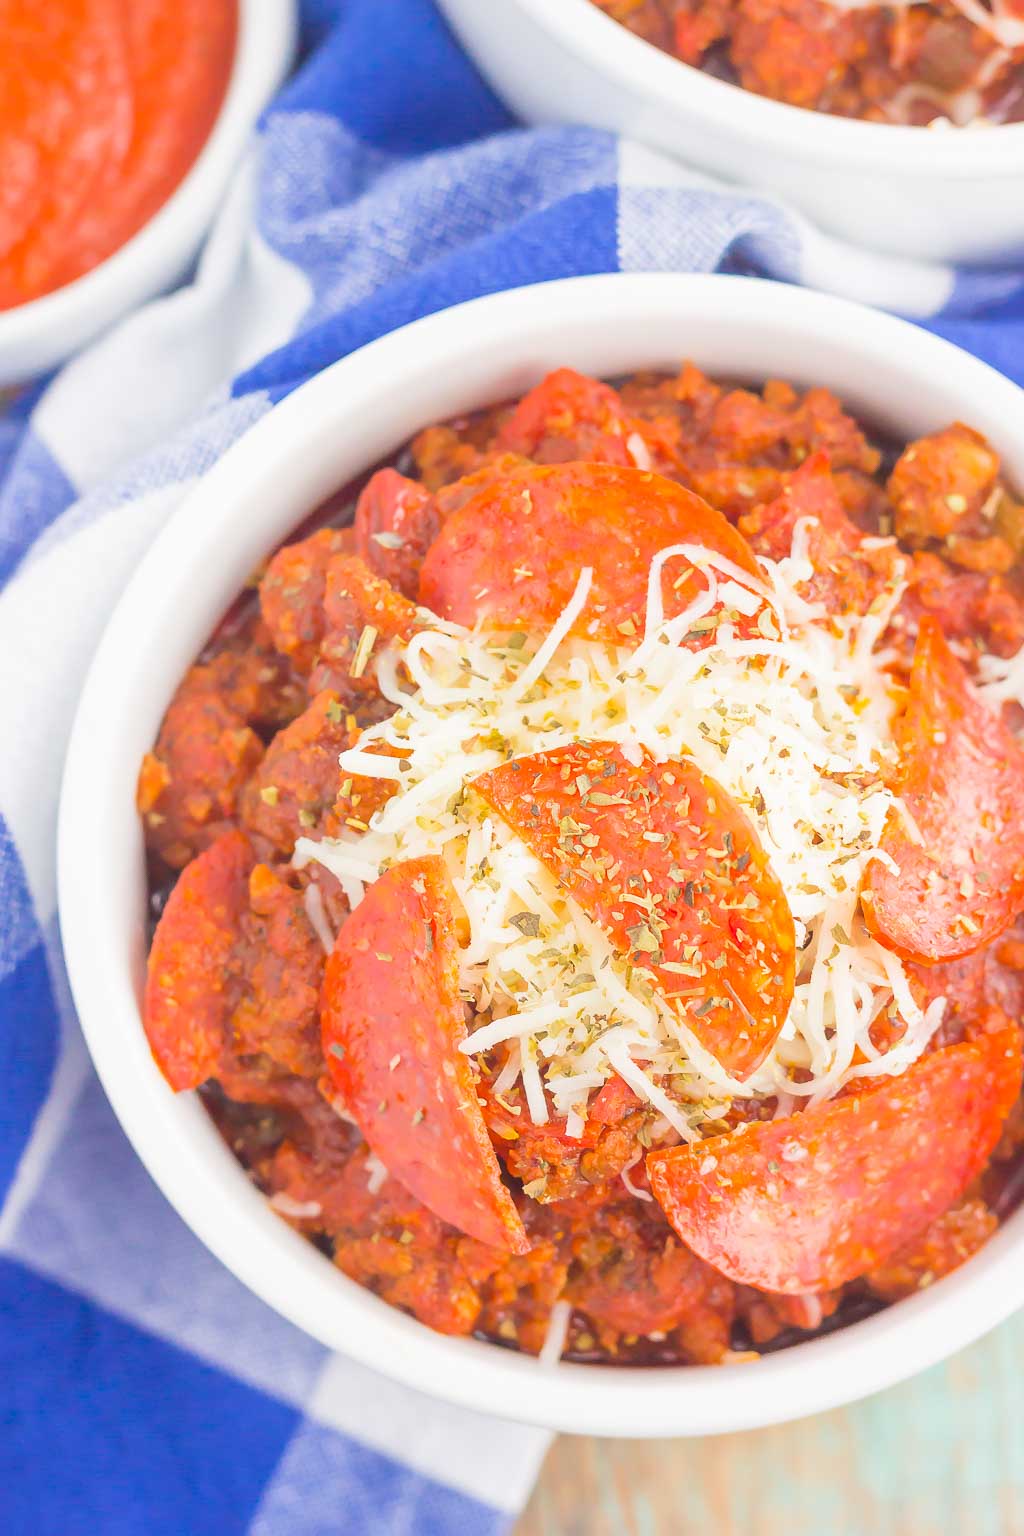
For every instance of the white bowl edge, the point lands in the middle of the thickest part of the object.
(36, 336)
(954, 196)
(579, 25)
(479, 352)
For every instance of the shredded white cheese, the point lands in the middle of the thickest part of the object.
(313, 901)
(298, 1210)
(557, 1335)
(794, 722)
(634, 1190)
(1001, 679)
(376, 1173)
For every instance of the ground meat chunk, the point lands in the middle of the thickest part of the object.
(555, 1166)
(247, 671)
(516, 1300)
(848, 575)
(765, 1316)
(569, 416)
(281, 964)
(794, 50)
(442, 454)
(492, 468)
(387, 1240)
(985, 610)
(210, 740)
(781, 426)
(941, 485)
(293, 793)
(947, 1243)
(631, 1275)
(190, 783)
(292, 594)
(649, 19)
(736, 448)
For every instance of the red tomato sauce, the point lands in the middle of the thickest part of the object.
(958, 60)
(104, 106)
(361, 1122)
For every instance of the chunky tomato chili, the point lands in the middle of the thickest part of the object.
(953, 61)
(104, 106)
(587, 871)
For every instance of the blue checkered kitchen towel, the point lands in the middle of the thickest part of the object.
(142, 1390)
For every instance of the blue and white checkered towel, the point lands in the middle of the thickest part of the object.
(142, 1390)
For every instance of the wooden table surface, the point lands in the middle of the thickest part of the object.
(942, 1455)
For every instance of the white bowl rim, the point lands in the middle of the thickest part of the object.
(582, 30)
(265, 36)
(173, 1135)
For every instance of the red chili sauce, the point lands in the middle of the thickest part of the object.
(104, 107)
(960, 61)
(336, 1078)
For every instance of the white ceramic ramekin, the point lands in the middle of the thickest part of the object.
(939, 195)
(37, 336)
(352, 415)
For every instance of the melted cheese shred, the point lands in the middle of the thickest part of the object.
(794, 722)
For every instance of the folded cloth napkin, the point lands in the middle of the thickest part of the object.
(142, 1390)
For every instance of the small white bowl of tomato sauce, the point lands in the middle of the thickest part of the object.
(119, 136)
(524, 1221)
(896, 127)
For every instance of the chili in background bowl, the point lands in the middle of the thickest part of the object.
(933, 195)
(45, 331)
(900, 379)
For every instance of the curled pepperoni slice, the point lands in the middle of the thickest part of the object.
(961, 881)
(187, 1003)
(814, 1200)
(513, 554)
(664, 859)
(392, 1024)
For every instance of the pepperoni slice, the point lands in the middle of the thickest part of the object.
(962, 884)
(392, 1024)
(186, 1006)
(812, 1201)
(664, 859)
(513, 554)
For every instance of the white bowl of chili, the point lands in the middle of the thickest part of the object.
(42, 332)
(900, 379)
(954, 195)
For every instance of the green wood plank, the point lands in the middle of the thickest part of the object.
(942, 1455)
